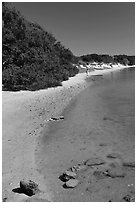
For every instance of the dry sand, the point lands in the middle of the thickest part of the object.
(24, 115)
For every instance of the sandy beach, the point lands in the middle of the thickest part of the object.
(25, 117)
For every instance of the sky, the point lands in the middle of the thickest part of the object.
(86, 27)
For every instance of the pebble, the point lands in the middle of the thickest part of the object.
(70, 174)
(4, 199)
(129, 198)
(113, 155)
(103, 144)
(94, 161)
(72, 183)
(78, 167)
(117, 172)
(67, 175)
(81, 167)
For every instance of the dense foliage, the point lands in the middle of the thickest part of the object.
(32, 58)
(122, 59)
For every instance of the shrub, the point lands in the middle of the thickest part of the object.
(32, 57)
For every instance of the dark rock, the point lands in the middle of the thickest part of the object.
(57, 118)
(61, 117)
(129, 164)
(70, 174)
(73, 169)
(105, 118)
(117, 172)
(4, 199)
(67, 175)
(103, 144)
(113, 155)
(29, 188)
(78, 167)
(63, 178)
(94, 161)
(129, 198)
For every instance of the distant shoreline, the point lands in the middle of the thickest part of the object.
(82, 76)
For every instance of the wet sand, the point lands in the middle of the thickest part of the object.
(98, 122)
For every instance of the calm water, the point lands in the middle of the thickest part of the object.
(98, 121)
(117, 91)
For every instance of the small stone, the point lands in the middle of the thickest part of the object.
(117, 172)
(57, 118)
(103, 144)
(81, 167)
(4, 199)
(73, 169)
(105, 118)
(78, 167)
(67, 175)
(61, 117)
(64, 178)
(113, 155)
(72, 183)
(70, 174)
(94, 161)
(129, 198)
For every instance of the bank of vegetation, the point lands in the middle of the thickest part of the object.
(32, 58)
(122, 59)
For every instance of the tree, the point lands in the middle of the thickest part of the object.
(32, 57)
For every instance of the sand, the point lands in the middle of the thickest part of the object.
(24, 116)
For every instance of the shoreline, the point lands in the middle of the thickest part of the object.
(24, 116)
(91, 128)
(83, 76)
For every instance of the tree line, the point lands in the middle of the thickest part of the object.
(122, 59)
(32, 58)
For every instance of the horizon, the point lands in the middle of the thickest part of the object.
(86, 27)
